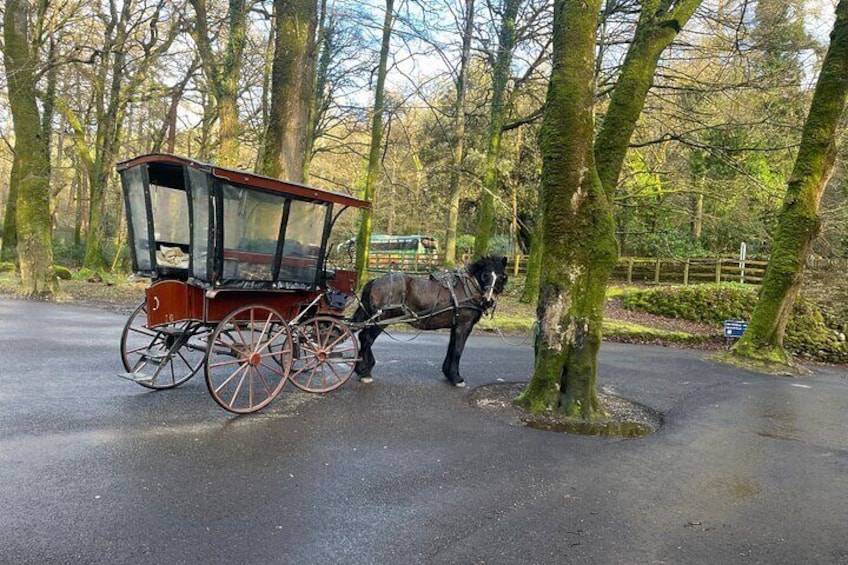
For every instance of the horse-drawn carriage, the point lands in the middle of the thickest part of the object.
(239, 282)
(240, 287)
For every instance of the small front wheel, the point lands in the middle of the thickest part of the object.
(163, 357)
(249, 358)
(327, 352)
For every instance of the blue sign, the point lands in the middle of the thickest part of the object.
(735, 328)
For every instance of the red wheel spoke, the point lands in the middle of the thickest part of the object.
(145, 331)
(273, 369)
(238, 386)
(230, 378)
(264, 383)
(262, 333)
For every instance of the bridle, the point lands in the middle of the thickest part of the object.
(490, 289)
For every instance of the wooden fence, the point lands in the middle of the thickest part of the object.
(657, 270)
(651, 270)
(639, 270)
(408, 263)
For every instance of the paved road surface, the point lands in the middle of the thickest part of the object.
(94, 469)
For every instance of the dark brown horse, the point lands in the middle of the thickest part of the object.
(454, 300)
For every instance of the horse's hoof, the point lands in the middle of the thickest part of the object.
(366, 380)
(460, 384)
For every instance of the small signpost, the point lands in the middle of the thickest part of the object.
(733, 329)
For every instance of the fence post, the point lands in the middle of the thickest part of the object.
(718, 271)
(515, 265)
(657, 271)
(630, 270)
(686, 273)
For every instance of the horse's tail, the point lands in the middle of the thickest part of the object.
(365, 309)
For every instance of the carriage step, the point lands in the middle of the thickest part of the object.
(138, 378)
(155, 354)
(173, 331)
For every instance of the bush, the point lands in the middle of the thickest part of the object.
(62, 272)
(68, 254)
(711, 304)
(806, 333)
(7, 267)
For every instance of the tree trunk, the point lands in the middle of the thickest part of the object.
(9, 251)
(109, 124)
(368, 193)
(534, 264)
(799, 222)
(32, 161)
(323, 59)
(500, 76)
(292, 89)
(659, 23)
(223, 71)
(578, 234)
(458, 156)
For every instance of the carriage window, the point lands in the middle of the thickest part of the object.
(302, 246)
(251, 230)
(202, 228)
(134, 188)
(170, 225)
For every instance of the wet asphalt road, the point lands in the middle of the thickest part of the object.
(94, 469)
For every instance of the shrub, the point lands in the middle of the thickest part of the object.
(68, 254)
(62, 272)
(7, 267)
(806, 333)
(711, 304)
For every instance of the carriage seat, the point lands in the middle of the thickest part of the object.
(172, 257)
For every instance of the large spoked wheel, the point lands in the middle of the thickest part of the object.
(163, 357)
(250, 355)
(327, 352)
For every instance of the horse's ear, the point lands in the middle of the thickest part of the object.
(504, 260)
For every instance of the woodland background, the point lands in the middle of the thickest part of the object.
(706, 169)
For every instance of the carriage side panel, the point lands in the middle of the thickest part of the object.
(170, 301)
(219, 303)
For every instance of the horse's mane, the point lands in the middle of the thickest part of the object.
(486, 264)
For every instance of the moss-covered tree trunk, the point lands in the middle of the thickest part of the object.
(458, 155)
(578, 233)
(33, 218)
(109, 108)
(799, 222)
(659, 23)
(9, 251)
(325, 46)
(500, 76)
(364, 237)
(292, 90)
(530, 294)
(223, 70)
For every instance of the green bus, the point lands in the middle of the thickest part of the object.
(396, 251)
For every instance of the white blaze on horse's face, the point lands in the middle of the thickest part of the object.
(491, 290)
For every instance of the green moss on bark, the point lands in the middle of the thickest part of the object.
(32, 162)
(798, 223)
(579, 247)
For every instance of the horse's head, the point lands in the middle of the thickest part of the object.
(490, 272)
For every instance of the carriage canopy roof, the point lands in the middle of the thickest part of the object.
(225, 228)
(241, 177)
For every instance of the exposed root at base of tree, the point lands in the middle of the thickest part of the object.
(624, 419)
(763, 364)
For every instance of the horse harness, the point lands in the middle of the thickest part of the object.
(470, 289)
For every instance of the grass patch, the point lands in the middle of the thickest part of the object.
(626, 331)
